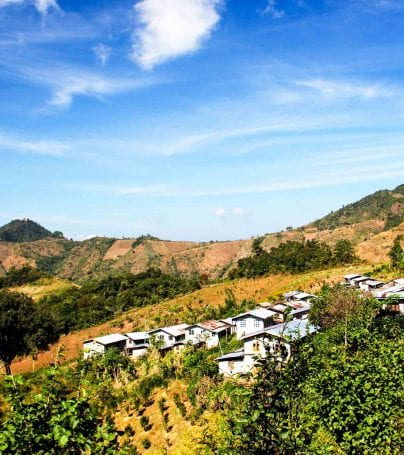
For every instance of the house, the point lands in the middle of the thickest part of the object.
(166, 338)
(235, 363)
(356, 282)
(350, 277)
(303, 297)
(277, 339)
(207, 332)
(252, 321)
(100, 345)
(294, 309)
(370, 285)
(290, 295)
(137, 344)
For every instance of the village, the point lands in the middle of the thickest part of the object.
(268, 328)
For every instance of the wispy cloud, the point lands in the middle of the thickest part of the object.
(102, 52)
(346, 89)
(66, 82)
(43, 6)
(41, 147)
(220, 212)
(171, 28)
(272, 9)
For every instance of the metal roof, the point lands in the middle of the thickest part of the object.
(138, 335)
(174, 330)
(212, 325)
(259, 313)
(351, 276)
(110, 339)
(295, 329)
(290, 294)
(239, 354)
(302, 295)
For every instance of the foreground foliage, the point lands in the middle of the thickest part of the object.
(342, 393)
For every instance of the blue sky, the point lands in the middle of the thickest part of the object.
(197, 119)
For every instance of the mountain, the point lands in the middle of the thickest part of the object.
(371, 223)
(25, 230)
(384, 205)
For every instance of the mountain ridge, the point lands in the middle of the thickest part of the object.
(379, 216)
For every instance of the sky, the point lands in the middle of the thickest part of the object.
(197, 119)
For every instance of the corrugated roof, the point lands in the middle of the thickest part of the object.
(290, 294)
(138, 335)
(360, 278)
(111, 339)
(351, 276)
(295, 329)
(239, 354)
(212, 325)
(260, 313)
(302, 295)
(174, 330)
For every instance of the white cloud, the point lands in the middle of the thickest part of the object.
(273, 10)
(44, 5)
(41, 5)
(42, 147)
(342, 89)
(68, 82)
(4, 3)
(102, 52)
(220, 212)
(171, 28)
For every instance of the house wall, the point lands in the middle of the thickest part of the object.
(259, 346)
(248, 324)
(138, 353)
(92, 348)
(230, 368)
(202, 335)
(167, 340)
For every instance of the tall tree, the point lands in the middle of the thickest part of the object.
(397, 254)
(24, 328)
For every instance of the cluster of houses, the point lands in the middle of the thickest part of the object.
(379, 289)
(269, 328)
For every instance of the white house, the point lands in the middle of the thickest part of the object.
(100, 345)
(137, 344)
(235, 363)
(370, 285)
(303, 297)
(207, 332)
(252, 321)
(290, 295)
(276, 339)
(168, 337)
(356, 282)
(350, 277)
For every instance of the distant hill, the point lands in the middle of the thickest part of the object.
(384, 205)
(25, 231)
(371, 224)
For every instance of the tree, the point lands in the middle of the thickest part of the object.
(343, 252)
(24, 328)
(52, 421)
(397, 254)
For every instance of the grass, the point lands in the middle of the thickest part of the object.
(44, 287)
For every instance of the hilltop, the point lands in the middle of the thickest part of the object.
(25, 230)
(371, 224)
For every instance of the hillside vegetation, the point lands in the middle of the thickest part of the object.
(25, 231)
(362, 221)
(384, 205)
(341, 393)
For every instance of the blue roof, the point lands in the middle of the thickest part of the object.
(295, 329)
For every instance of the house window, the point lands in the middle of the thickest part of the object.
(161, 337)
(191, 331)
(170, 337)
(231, 365)
(257, 323)
(256, 346)
(243, 323)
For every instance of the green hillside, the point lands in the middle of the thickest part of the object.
(25, 230)
(382, 205)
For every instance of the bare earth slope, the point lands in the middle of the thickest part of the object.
(371, 224)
